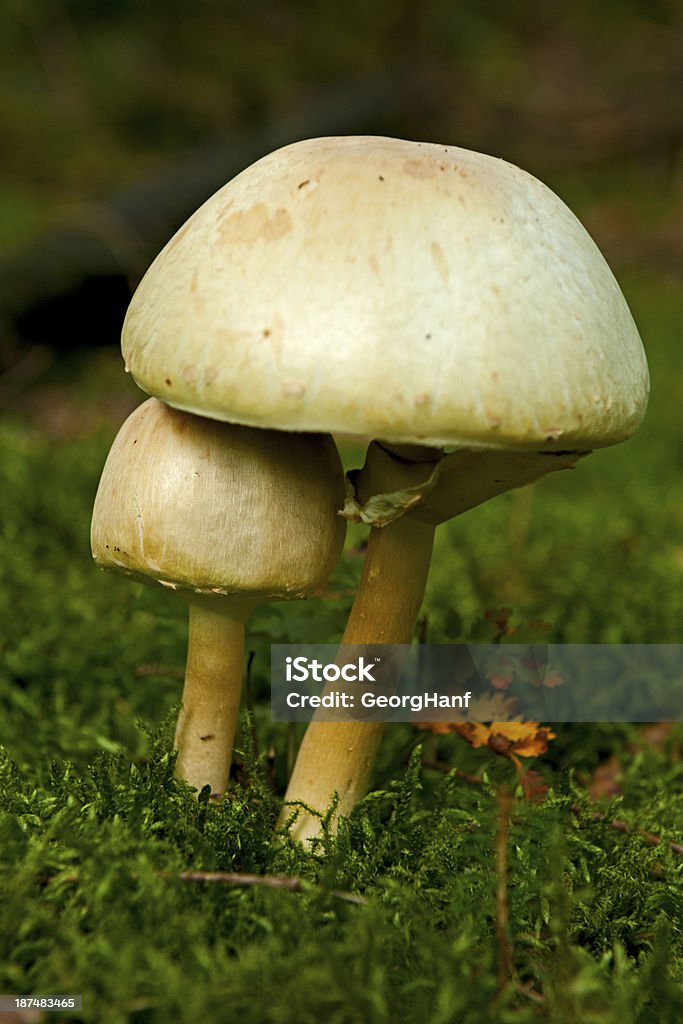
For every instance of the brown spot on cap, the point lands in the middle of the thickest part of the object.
(256, 224)
(440, 261)
(419, 168)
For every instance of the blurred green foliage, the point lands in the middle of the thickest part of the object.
(93, 95)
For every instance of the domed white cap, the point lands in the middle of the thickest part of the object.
(218, 509)
(409, 291)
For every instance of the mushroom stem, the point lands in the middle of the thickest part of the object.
(211, 695)
(337, 757)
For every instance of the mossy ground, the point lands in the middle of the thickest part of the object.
(445, 897)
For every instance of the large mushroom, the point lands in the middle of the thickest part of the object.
(428, 297)
(229, 517)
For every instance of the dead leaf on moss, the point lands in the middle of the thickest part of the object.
(525, 739)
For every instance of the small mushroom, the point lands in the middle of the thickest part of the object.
(229, 518)
(442, 302)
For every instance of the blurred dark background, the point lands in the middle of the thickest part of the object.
(118, 119)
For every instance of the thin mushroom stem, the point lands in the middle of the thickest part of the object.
(211, 695)
(337, 757)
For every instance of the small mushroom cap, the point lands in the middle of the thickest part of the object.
(217, 508)
(413, 292)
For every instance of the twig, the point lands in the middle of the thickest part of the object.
(506, 968)
(507, 971)
(626, 829)
(288, 882)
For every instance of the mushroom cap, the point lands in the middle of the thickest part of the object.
(414, 292)
(217, 508)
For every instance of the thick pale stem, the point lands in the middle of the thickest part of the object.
(337, 757)
(211, 695)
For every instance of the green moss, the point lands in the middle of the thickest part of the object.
(93, 902)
